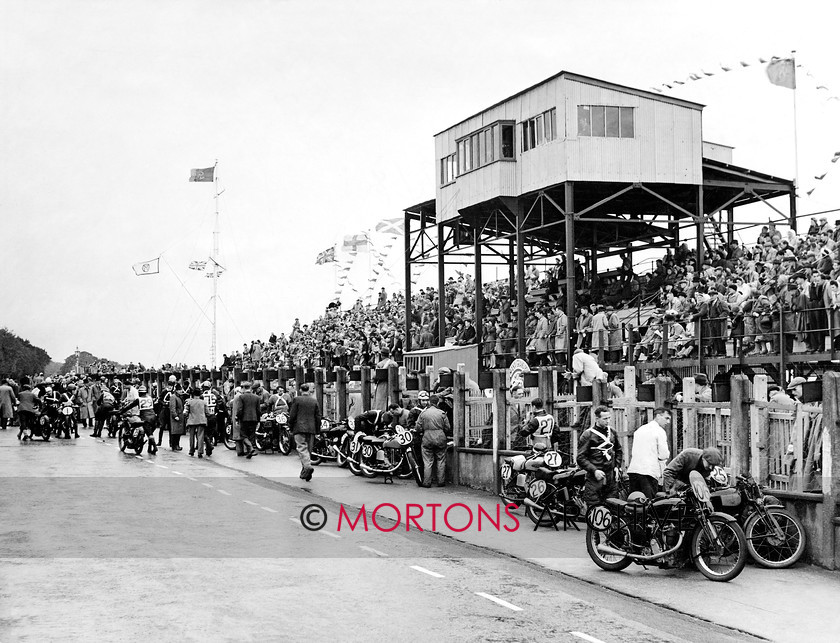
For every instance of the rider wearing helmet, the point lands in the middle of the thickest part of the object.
(600, 455)
(215, 407)
(676, 474)
(146, 406)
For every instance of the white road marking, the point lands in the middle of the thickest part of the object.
(328, 533)
(427, 571)
(150, 461)
(223, 491)
(139, 457)
(274, 511)
(162, 466)
(586, 637)
(207, 484)
(177, 473)
(510, 606)
(373, 551)
(250, 502)
(193, 479)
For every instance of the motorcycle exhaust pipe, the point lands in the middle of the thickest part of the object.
(534, 505)
(639, 558)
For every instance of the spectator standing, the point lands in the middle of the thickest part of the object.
(196, 411)
(649, 453)
(248, 414)
(305, 422)
(433, 425)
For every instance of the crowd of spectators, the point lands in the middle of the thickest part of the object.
(740, 300)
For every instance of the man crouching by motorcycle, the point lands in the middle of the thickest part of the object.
(372, 422)
(676, 474)
(600, 455)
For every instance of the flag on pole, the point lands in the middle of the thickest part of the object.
(197, 265)
(356, 242)
(202, 175)
(326, 256)
(151, 267)
(394, 227)
(781, 72)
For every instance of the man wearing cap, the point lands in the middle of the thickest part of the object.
(794, 389)
(676, 474)
(214, 408)
(434, 426)
(146, 406)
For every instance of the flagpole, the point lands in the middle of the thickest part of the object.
(215, 259)
(795, 129)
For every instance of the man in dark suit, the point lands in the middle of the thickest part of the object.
(248, 414)
(305, 422)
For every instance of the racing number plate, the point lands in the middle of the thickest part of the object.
(367, 451)
(553, 459)
(598, 517)
(537, 488)
(355, 445)
(507, 471)
(404, 438)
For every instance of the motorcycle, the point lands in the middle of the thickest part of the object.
(131, 434)
(555, 495)
(390, 455)
(667, 532)
(226, 435)
(517, 472)
(42, 428)
(332, 443)
(67, 421)
(775, 537)
(273, 433)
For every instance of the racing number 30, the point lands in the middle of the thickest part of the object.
(598, 517)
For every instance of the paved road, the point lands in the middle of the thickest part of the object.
(100, 545)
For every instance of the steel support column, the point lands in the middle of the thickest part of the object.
(700, 221)
(520, 279)
(479, 303)
(441, 287)
(793, 210)
(570, 265)
(407, 248)
(730, 221)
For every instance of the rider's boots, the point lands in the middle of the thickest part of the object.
(152, 446)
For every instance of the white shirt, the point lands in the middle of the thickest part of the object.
(587, 366)
(650, 450)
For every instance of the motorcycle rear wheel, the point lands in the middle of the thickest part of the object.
(617, 535)
(724, 566)
(259, 444)
(763, 545)
(121, 441)
(342, 456)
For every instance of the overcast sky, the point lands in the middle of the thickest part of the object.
(321, 115)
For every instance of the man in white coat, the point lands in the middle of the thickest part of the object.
(650, 453)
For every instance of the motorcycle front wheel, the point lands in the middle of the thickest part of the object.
(415, 470)
(259, 443)
(121, 441)
(617, 535)
(284, 444)
(723, 558)
(227, 437)
(766, 548)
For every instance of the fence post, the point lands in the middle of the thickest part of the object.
(458, 421)
(759, 464)
(423, 381)
(365, 388)
(299, 379)
(499, 420)
(237, 375)
(545, 375)
(394, 390)
(341, 392)
(319, 388)
(739, 424)
(831, 466)
(663, 392)
(631, 412)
